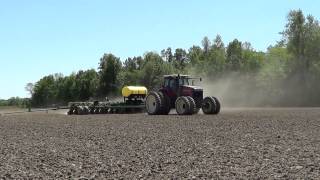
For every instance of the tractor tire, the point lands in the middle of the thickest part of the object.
(83, 110)
(79, 110)
(103, 110)
(182, 105)
(96, 110)
(91, 110)
(70, 112)
(86, 110)
(100, 110)
(106, 110)
(209, 105)
(75, 111)
(193, 106)
(218, 105)
(165, 104)
(153, 103)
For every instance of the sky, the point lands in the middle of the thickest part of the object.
(42, 37)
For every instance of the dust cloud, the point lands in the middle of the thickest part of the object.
(235, 90)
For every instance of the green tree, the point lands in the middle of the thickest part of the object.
(87, 84)
(216, 60)
(302, 38)
(206, 44)
(195, 55)
(109, 68)
(68, 90)
(234, 55)
(153, 70)
(130, 64)
(166, 54)
(218, 43)
(272, 74)
(29, 88)
(44, 92)
(131, 72)
(180, 59)
(252, 61)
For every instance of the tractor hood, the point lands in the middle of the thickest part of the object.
(197, 88)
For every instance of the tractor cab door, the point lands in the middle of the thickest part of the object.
(171, 87)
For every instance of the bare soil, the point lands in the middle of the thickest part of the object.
(237, 144)
(11, 109)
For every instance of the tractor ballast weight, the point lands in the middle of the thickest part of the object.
(178, 92)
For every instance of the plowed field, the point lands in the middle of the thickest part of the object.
(238, 143)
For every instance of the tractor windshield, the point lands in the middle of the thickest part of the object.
(183, 81)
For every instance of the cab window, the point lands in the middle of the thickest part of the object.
(172, 84)
(183, 82)
(166, 83)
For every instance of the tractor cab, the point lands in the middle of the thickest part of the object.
(172, 83)
(177, 85)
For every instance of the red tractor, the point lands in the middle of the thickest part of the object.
(179, 92)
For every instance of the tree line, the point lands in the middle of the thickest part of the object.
(288, 72)
(15, 101)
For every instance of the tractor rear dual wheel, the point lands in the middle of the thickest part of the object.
(211, 105)
(157, 103)
(153, 103)
(165, 103)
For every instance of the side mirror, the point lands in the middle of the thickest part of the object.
(200, 79)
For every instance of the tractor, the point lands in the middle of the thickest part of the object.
(178, 91)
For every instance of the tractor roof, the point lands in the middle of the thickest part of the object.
(175, 75)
